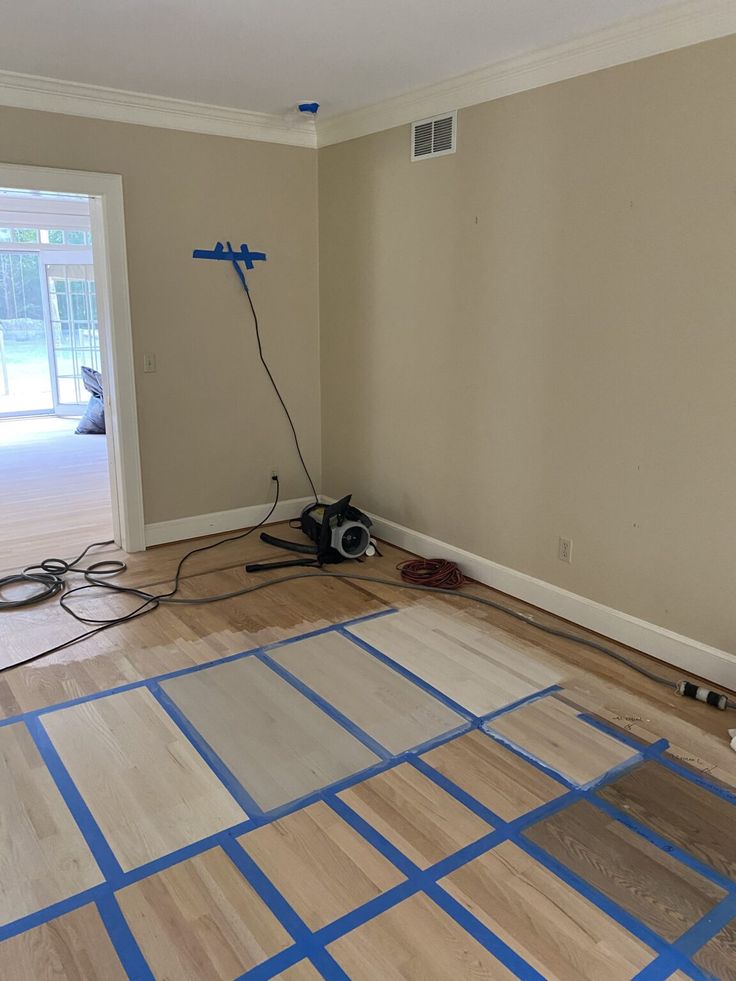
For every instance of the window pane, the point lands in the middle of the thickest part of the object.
(6, 235)
(25, 235)
(75, 238)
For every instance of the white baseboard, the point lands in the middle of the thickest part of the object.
(682, 652)
(181, 529)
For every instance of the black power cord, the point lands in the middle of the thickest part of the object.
(151, 601)
(49, 575)
(244, 284)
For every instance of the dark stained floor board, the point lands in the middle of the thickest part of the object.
(653, 886)
(718, 957)
(691, 817)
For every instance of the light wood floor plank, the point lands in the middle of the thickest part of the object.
(43, 856)
(303, 971)
(201, 921)
(480, 674)
(278, 744)
(146, 785)
(551, 731)
(73, 947)
(321, 865)
(384, 704)
(415, 941)
(419, 818)
(551, 926)
(494, 775)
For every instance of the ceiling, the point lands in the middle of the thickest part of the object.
(266, 55)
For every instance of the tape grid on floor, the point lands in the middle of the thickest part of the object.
(669, 957)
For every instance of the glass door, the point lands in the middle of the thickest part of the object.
(25, 383)
(74, 339)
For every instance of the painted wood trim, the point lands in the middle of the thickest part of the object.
(98, 102)
(116, 331)
(667, 29)
(198, 525)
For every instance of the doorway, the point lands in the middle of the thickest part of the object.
(48, 312)
(65, 320)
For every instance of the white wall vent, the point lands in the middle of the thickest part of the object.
(434, 137)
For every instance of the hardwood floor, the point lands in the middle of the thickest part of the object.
(415, 815)
(201, 921)
(157, 793)
(555, 929)
(54, 491)
(203, 912)
(645, 881)
(320, 864)
(383, 703)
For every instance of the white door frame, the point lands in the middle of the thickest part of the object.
(116, 334)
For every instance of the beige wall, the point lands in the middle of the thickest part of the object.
(210, 427)
(537, 336)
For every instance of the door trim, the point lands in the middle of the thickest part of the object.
(116, 332)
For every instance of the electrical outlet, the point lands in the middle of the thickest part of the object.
(274, 474)
(149, 362)
(564, 550)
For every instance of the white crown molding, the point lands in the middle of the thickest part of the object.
(95, 101)
(672, 27)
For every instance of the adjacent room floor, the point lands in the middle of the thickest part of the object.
(346, 780)
(54, 491)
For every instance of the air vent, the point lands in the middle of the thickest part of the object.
(434, 137)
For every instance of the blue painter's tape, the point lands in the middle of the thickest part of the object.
(663, 967)
(229, 254)
(186, 852)
(41, 916)
(103, 854)
(309, 107)
(375, 838)
(533, 760)
(191, 669)
(526, 700)
(218, 767)
(593, 895)
(621, 736)
(123, 940)
(662, 843)
(701, 781)
(460, 795)
(500, 950)
(332, 628)
(707, 927)
(419, 682)
(271, 896)
(380, 751)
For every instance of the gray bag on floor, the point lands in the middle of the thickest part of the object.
(93, 420)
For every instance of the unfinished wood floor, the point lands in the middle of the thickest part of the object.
(54, 490)
(323, 809)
